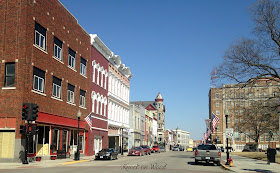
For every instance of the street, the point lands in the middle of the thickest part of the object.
(166, 162)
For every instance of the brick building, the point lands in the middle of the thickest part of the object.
(44, 58)
(236, 99)
(99, 94)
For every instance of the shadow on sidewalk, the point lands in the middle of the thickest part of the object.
(201, 163)
(258, 170)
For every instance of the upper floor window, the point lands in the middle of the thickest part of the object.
(71, 59)
(159, 126)
(217, 104)
(40, 36)
(260, 95)
(227, 96)
(217, 112)
(242, 95)
(217, 95)
(57, 51)
(9, 75)
(265, 94)
(228, 103)
(236, 95)
(56, 92)
(251, 95)
(158, 116)
(38, 80)
(83, 67)
(82, 98)
(71, 93)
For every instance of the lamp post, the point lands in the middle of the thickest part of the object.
(79, 114)
(226, 112)
(122, 137)
(216, 135)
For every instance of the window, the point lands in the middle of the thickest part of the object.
(241, 112)
(228, 119)
(217, 104)
(228, 104)
(71, 93)
(251, 103)
(242, 95)
(242, 103)
(57, 51)
(158, 116)
(236, 120)
(38, 80)
(217, 112)
(56, 92)
(243, 138)
(40, 36)
(262, 138)
(236, 112)
(218, 128)
(236, 103)
(236, 95)
(159, 125)
(275, 94)
(83, 67)
(10, 75)
(82, 98)
(260, 95)
(250, 95)
(265, 94)
(227, 96)
(71, 59)
(217, 95)
(218, 138)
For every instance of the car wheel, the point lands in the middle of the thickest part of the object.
(149, 153)
(218, 163)
(196, 161)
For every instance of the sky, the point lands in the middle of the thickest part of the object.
(171, 46)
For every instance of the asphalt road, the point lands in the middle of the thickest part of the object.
(167, 162)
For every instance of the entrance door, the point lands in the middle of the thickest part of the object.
(97, 143)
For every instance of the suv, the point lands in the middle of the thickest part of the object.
(147, 149)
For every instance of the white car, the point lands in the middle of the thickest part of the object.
(176, 149)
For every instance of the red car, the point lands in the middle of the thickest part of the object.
(136, 151)
(146, 149)
(155, 149)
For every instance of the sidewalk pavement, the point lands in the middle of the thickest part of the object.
(244, 164)
(50, 163)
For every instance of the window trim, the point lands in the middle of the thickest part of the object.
(13, 75)
(43, 84)
(56, 49)
(69, 100)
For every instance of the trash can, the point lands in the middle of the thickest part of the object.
(77, 156)
(271, 152)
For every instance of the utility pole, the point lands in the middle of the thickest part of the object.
(227, 163)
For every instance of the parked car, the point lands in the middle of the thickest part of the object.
(136, 151)
(146, 149)
(207, 153)
(107, 153)
(194, 148)
(189, 149)
(181, 149)
(162, 149)
(175, 149)
(155, 149)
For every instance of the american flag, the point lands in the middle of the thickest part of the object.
(88, 120)
(215, 120)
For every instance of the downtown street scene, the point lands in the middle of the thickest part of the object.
(139, 86)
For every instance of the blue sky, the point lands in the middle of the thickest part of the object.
(170, 46)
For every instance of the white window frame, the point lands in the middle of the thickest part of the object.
(74, 62)
(70, 96)
(83, 99)
(83, 69)
(57, 92)
(41, 36)
(59, 55)
(42, 84)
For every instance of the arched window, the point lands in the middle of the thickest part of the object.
(105, 106)
(97, 74)
(105, 82)
(93, 97)
(101, 76)
(101, 105)
(93, 71)
(97, 103)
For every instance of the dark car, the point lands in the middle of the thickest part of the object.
(146, 149)
(162, 149)
(107, 153)
(155, 149)
(136, 151)
(175, 149)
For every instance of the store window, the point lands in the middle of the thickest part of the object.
(55, 140)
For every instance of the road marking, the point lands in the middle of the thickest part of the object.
(73, 162)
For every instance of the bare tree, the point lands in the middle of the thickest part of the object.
(247, 60)
(257, 119)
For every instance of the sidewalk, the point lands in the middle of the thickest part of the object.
(50, 163)
(244, 164)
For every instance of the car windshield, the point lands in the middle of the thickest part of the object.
(155, 146)
(107, 150)
(144, 146)
(137, 148)
(206, 147)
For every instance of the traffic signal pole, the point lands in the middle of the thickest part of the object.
(26, 144)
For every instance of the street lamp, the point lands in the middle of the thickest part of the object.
(122, 137)
(216, 140)
(79, 114)
(226, 112)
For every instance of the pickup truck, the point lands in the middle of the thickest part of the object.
(207, 153)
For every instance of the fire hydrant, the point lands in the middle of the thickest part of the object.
(230, 162)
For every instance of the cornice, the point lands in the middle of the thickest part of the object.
(97, 43)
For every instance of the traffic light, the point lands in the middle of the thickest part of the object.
(34, 130)
(34, 112)
(22, 129)
(25, 110)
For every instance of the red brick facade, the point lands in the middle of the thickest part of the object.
(17, 38)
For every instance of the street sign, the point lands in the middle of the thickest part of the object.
(229, 132)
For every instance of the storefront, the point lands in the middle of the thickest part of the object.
(57, 137)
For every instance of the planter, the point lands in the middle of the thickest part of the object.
(53, 157)
(38, 159)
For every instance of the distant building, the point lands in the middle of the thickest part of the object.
(181, 138)
(235, 99)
